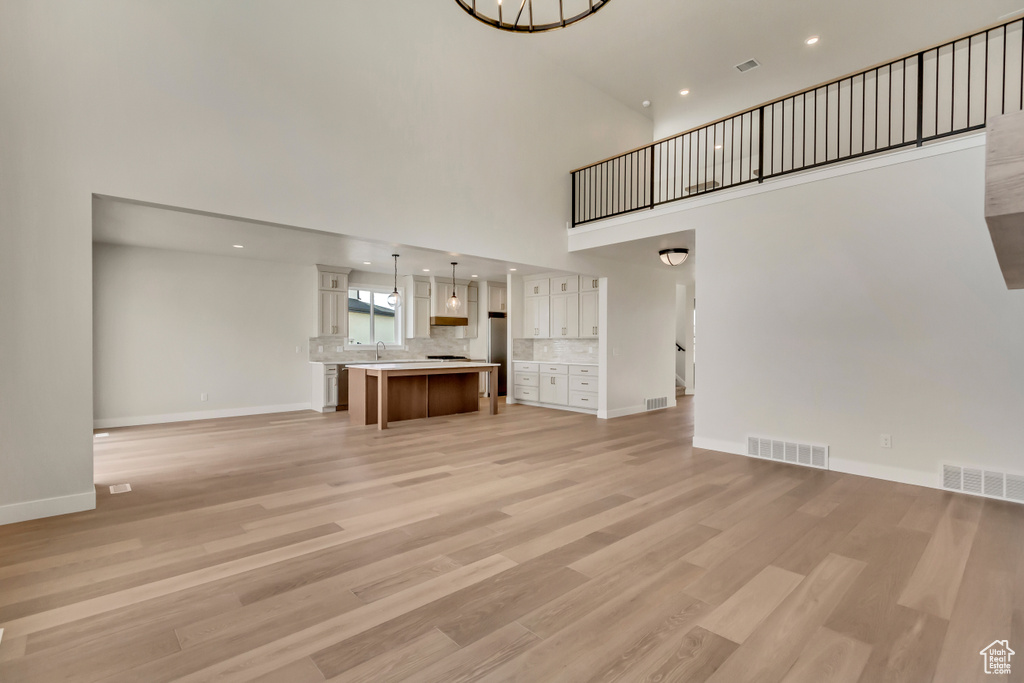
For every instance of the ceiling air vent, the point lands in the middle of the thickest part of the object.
(748, 65)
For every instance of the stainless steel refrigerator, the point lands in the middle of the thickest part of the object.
(497, 349)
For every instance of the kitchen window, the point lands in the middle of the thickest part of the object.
(372, 319)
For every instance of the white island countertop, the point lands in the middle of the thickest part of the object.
(399, 365)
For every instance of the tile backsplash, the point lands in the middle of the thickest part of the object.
(555, 350)
(442, 342)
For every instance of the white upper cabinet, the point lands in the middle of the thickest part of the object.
(589, 283)
(536, 311)
(565, 315)
(536, 287)
(565, 285)
(497, 299)
(332, 305)
(416, 303)
(333, 314)
(442, 292)
(589, 314)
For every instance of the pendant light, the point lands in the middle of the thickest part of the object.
(453, 302)
(393, 296)
(673, 257)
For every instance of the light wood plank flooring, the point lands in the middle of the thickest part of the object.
(533, 546)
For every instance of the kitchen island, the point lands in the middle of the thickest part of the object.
(380, 393)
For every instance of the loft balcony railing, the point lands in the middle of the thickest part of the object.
(944, 90)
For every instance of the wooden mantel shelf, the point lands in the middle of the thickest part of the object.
(380, 393)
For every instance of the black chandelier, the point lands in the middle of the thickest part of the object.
(521, 16)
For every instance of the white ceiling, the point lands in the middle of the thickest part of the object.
(137, 224)
(637, 50)
(645, 251)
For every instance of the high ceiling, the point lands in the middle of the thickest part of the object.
(638, 50)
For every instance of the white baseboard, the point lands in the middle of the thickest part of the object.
(719, 445)
(111, 422)
(47, 507)
(571, 409)
(858, 467)
(632, 410)
(931, 480)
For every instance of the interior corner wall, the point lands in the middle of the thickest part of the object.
(838, 310)
(170, 326)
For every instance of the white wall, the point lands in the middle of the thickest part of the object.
(637, 343)
(403, 121)
(838, 310)
(169, 326)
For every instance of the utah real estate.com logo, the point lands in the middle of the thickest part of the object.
(997, 657)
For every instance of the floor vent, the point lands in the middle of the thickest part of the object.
(748, 65)
(979, 482)
(120, 488)
(808, 455)
(657, 403)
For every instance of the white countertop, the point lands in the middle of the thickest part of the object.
(364, 362)
(398, 365)
(551, 362)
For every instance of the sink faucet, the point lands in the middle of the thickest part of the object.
(376, 350)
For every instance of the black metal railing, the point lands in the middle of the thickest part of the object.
(938, 92)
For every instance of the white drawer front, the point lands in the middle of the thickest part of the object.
(583, 370)
(582, 399)
(554, 369)
(577, 383)
(527, 379)
(527, 367)
(525, 393)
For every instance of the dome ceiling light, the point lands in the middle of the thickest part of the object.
(531, 16)
(673, 257)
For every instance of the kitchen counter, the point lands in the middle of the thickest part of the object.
(553, 362)
(385, 392)
(421, 365)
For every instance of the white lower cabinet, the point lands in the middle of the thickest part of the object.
(554, 389)
(325, 387)
(556, 384)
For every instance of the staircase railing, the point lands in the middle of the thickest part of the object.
(944, 90)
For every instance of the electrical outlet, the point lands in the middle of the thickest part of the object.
(204, 396)
(320, 348)
(298, 349)
(590, 349)
(339, 349)
(886, 440)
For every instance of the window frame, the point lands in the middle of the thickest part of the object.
(399, 317)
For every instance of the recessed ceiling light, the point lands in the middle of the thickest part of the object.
(474, 276)
(426, 270)
(367, 263)
(718, 147)
(812, 40)
(684, 91)
(102, 435)
(512, 269)
(238, 246)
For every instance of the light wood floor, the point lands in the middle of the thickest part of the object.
(532, 546)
